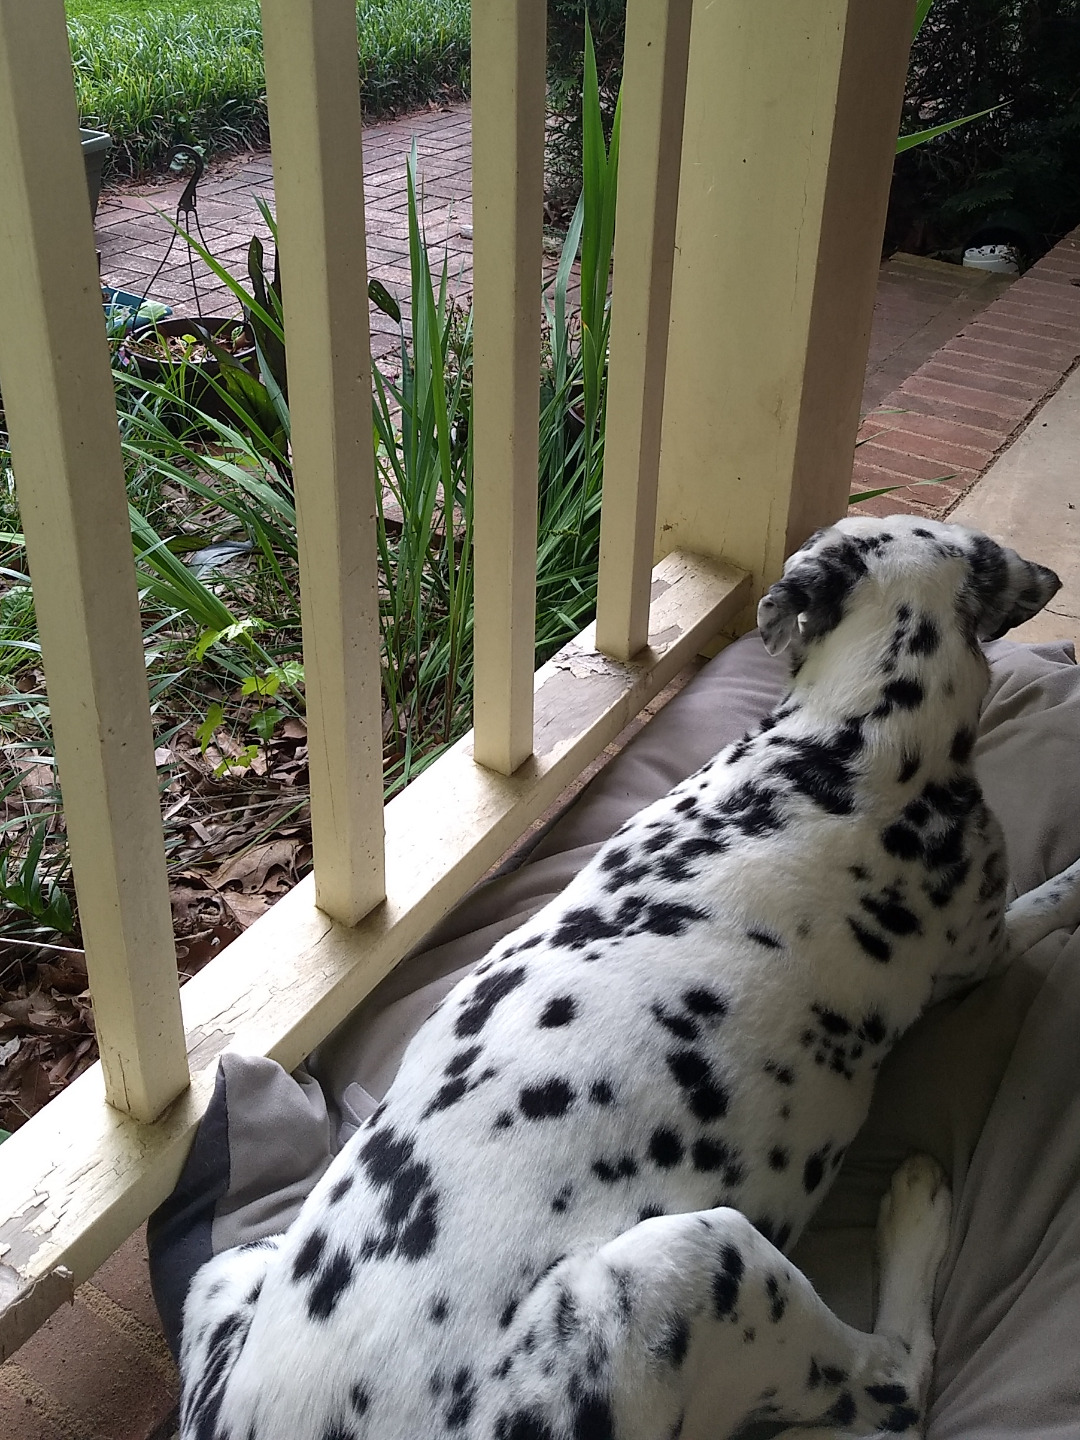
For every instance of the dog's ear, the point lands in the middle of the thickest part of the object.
(1004, 588)
(810, 599)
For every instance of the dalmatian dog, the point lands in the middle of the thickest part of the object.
(568, 1218)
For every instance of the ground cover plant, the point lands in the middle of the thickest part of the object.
(213, 531)
(156, 72)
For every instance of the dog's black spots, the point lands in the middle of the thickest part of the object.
(916, 813)
(925, 638)
(687, 805)
(709, 1155)
(704, 1002)
(612, 1171)
(593, 1419)
(777, 1299)
(601, 1092)
(669, 917)
(843, 1409)
(947, 883)
(460, 1062)
(256, 1290)
(891, 916)
(561, 1201)
(727, 1282)
(899, 1419)
(909, 766)
(681, 1026)
(503, 1368)
(665, 1148)
(962, 745)
(704, 1094)
(859, 872)
(782, 1074)
(446, 1095)
(650, 1212)
(476, 1011)
(523, 1425)
(463, 1398)
(876, 946)
(739, 750)
(438, 1309)
(559, 1011)
(620, 879)
(888, 1394)
(308, 1256)
(947, 848)
(763, 937)
(902, 841)
(503, 1121)
(580, 927)
(659, 840)
(544, 1102)
(567, 1320)
(823, 770)
(831, 1020)
(752, 810)
(903, 693)
(360, 1400)
(873, 1028)
(779, 1158)
(340, 1189)
(675, 1342)
(614, 859)
(339, 1431)
(814, 1170)
(699, 845)
(333, 1279)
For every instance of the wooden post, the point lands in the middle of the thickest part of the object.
(792, 114)
(654, 89)
(314, 101)
(508, 68)
(58, 394)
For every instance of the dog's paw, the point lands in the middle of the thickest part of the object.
(915, 1213)
(913, 1236)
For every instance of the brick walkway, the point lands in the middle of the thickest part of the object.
(956, 366)
(968, 400)
(133, 232)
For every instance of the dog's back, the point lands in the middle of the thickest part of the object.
(694, 1023)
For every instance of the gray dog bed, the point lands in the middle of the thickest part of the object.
(989, 1084)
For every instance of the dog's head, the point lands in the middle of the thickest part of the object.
(991, 587)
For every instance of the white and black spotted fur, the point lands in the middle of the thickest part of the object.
(566, 1220)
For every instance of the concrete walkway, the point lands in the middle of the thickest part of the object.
(1030, 498)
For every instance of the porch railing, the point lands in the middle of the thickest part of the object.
(757, 142)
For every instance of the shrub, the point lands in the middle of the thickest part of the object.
(1024, 158)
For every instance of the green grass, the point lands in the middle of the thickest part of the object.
(155, 72)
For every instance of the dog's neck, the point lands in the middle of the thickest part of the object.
(906, 670)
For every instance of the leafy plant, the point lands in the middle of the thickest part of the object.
(34, 888)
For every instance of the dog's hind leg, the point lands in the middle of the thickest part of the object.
(704, 1327)
(217, 1316)
(1053, 905)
